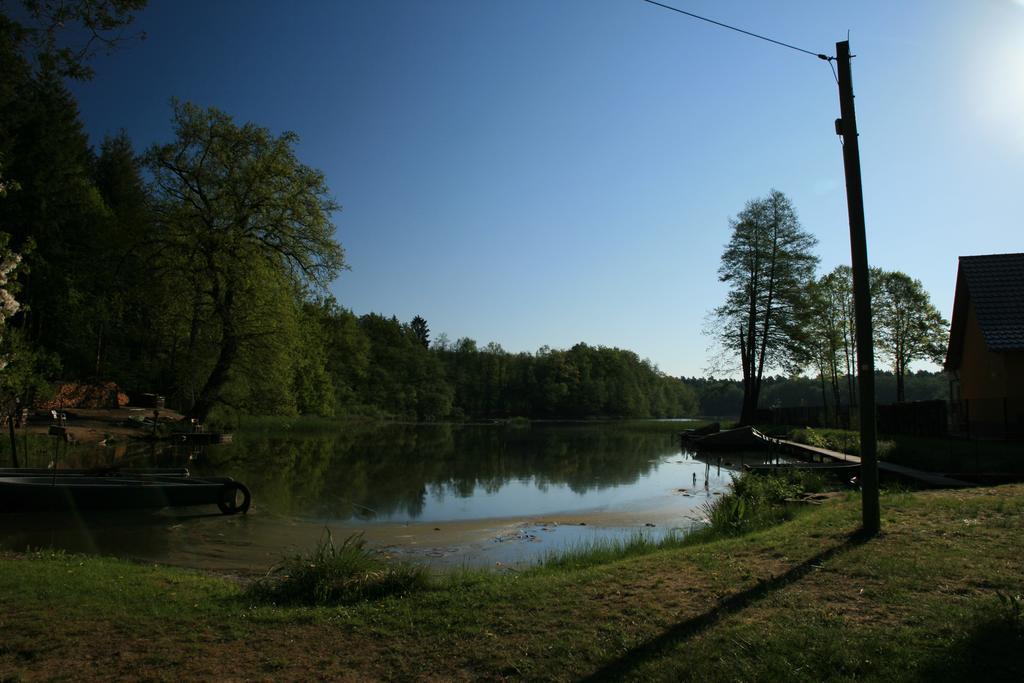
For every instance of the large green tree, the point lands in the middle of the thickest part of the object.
(768, 264)
(907, 326)
(245, 230)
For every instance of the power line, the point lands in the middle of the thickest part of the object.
(739, 30)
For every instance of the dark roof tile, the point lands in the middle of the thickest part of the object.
(995, 285)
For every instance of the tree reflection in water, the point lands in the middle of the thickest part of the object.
(388, 471)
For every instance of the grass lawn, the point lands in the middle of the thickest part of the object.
(937, 596)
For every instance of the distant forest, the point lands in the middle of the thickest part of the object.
(372, 364)
(724, 397)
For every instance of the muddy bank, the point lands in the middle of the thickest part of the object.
(249, 545)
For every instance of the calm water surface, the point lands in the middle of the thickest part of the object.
(462, 494)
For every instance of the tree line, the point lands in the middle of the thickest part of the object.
(198, 268)
(378, 365)
(780, 315)
(722, 397)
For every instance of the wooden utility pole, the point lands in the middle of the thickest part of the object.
(847, 128)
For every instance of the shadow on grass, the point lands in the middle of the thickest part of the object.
(685, 630)
(991, 650)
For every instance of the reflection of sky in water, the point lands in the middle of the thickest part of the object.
(656, 489)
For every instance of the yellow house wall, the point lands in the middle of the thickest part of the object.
(982, 373)
(992, 383)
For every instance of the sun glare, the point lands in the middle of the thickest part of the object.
(997, 88)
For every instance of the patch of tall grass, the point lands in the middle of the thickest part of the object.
(337, 574)
(601, 551)
(756, 501)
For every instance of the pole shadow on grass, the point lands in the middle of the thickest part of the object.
(684, 630)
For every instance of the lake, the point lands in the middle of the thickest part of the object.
(473, 495)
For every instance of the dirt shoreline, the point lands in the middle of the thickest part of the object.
(246, 546)
(93, 426)
(259, 542)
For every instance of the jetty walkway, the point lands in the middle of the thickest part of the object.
(748, 438)
(816, 454)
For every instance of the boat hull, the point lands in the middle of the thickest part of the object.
(741, 438)
(22, 494)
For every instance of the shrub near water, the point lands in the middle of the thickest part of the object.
(757, 501)
(841, 441)
(334, 574)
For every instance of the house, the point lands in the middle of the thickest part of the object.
(986, 346)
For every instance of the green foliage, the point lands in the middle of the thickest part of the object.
(337, 574)
(243, 228)
(839, 440)
(403, 378)
(767, 264)
(755, 502)
(62, 36)
(24, 376)
(421, 331)
(582, 382)
(55, 215)
(378, 366)
(1011, 612)
(908, 327)
(116, 320)
(777, 488)
(312, 384)
(842, 441)
(603, 551)
(826, 340)
(724, 397)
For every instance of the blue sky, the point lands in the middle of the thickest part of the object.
(539, 172)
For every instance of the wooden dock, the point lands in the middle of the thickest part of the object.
(747, 438)
(816, 454)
